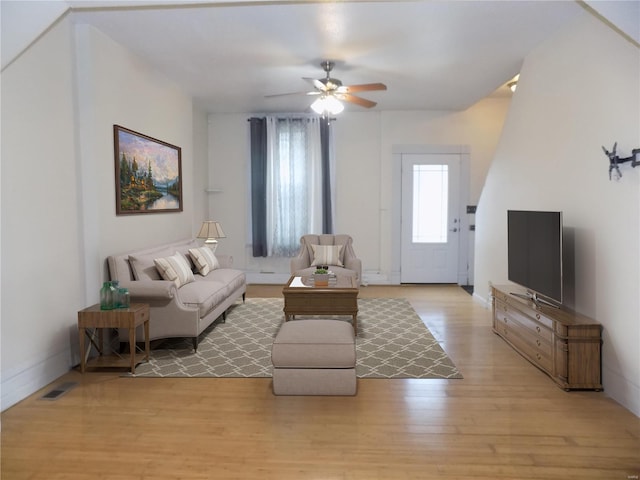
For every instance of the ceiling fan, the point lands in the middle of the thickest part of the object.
(331, 92)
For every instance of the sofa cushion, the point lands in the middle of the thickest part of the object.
(204, 259)
(327, 255)
(230, 277)
(184, 250)
(175, 268)
(204, 295)
(144, 268)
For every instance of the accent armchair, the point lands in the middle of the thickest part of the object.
(336, 251)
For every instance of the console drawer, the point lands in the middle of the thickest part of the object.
(539, 356)
(536, 343)
(539, 326)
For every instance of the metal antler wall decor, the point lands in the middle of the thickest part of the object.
(615, 160)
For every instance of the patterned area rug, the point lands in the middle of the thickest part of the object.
(392, 342)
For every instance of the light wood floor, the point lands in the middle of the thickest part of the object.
(504, 420)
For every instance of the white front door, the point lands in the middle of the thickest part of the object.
(430, 218)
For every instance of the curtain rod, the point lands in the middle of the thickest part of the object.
(331, 119)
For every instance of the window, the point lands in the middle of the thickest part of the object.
(430, 203)
(290, 183)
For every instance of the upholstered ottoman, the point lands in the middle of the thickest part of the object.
(314, 357)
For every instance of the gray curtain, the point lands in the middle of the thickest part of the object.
(259, 185)
(325, 143)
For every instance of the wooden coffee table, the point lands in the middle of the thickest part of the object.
(302, 298)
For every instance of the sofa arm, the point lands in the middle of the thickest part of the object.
(140, 290)
(354, 264)
(298, 263)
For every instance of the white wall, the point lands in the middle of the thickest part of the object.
(365, 170)
(42, 281)
(117, 88)
(200, 168)
(60, 100)
(577, 92)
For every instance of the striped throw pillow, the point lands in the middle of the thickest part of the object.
(326, 255)
(175, 268)
(204, 259)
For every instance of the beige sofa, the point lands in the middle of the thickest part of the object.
(183, 311)
(344, 263)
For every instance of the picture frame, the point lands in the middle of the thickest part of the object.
(148, 173)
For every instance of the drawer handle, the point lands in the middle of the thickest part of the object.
(537, 316)
(538, 329)
(538, 356)
(538, 342)
(505, 319)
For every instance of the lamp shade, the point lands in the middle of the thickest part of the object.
(211, 231)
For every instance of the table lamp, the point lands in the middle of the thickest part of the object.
(211, 231)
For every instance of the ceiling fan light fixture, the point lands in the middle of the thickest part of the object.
(327, 104)
(331, 93)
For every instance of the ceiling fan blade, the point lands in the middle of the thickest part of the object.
(365, 87)
(363, 102)
(316, 83)
(292, 93)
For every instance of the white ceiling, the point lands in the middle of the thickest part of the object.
(430, 54)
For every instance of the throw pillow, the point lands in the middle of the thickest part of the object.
(175, 268)
(143, 267)
(326, 255)
(204, 259)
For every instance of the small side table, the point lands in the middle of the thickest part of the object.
(94, 318)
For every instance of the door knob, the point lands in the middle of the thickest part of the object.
(453, 230)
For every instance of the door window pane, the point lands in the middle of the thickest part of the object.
(430, 203)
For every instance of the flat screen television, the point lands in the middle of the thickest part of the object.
(535, 253)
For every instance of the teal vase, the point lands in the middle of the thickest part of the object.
(106, 296)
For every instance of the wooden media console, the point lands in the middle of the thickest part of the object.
(562, 343)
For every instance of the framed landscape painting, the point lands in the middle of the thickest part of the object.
(148, 174)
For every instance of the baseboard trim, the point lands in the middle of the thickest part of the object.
(32, 378)
(484, 301)
(375, 278)
(622, 390)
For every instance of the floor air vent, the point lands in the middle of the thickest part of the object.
(60, 390)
